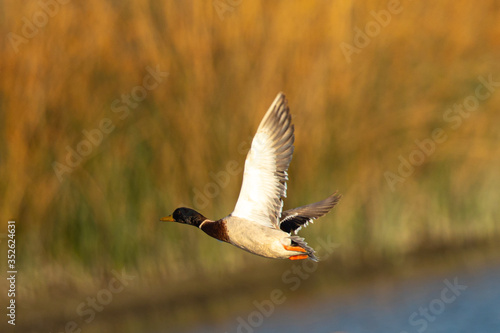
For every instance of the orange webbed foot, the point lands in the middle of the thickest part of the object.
(299, 257)
(294, 248)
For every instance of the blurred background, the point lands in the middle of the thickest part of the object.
(112, 114)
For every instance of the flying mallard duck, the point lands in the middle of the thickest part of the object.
(258, 224)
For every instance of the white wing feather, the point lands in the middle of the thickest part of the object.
(266, 165)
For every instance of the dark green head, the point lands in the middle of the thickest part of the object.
(186, 216)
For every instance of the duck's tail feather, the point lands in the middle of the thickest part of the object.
(299, 241)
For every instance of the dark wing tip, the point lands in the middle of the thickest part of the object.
(294, 219)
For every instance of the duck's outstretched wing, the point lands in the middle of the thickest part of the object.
(266, 165)
(294, 219)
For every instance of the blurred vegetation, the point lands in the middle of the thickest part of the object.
(352, 119)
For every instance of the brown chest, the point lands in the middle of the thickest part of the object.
(216, 229)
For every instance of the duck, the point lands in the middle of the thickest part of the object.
(258, 223)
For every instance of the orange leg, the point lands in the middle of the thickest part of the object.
(298, 257)
(294, 248)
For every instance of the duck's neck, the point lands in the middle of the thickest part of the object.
(195, 219)
(216, 229)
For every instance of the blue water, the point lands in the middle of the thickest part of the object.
(460, 301)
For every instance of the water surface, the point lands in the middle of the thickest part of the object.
(457, 301)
